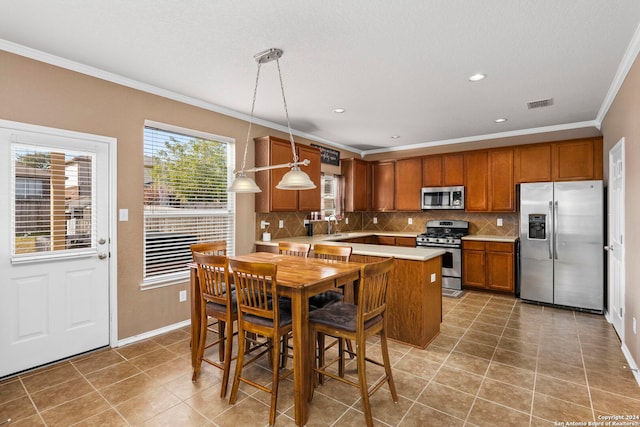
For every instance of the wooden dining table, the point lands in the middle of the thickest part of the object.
(298, 278)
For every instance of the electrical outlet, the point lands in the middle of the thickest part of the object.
(281, 223)
(346, 220)
(375, 219)
(499, 222)
(634, 326)
(183, 296)
(410, 221)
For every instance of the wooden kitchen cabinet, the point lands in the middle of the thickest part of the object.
(488, 265)
(357, 184)
(476, 181)
(408, 182)
(502, 189)
(577, 160)
(383, 185)
(573, 160)
(532, 163)
(443, 170)
(270, 150)
(489, 185)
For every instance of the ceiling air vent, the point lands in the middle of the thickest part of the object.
(539, 104)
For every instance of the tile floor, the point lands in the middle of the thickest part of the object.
(496, 362)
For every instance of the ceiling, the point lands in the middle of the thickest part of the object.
(397, 67)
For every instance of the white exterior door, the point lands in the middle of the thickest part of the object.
(616, 237)
(54, 245)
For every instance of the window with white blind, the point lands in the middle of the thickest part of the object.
(331, 202)
(186, 176)
(53, 202)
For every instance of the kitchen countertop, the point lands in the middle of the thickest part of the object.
(402, 252)
(491, 238)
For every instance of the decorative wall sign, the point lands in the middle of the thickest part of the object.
(328, 156)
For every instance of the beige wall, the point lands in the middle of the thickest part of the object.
(41, 94)
(623, 120)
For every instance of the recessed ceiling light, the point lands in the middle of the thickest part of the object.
(339, 110)
(395, 136)
(477, 77)
(501, 120)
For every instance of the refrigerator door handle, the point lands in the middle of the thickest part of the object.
(550, 237)
(555, 230)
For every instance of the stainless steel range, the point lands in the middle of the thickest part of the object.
(448, 236)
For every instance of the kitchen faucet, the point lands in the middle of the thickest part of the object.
(329, 219)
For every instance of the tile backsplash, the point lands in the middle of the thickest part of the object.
(479, 223)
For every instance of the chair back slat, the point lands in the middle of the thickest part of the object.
(210, 248)
(372, 295)
(213, 275)
(256, 288)
(332, 252)
(295, 249)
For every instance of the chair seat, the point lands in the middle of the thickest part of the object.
(340, 315)
(284, 313)
(324, 299)
(214, 309)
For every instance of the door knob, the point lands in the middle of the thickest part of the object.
(102, 255)
(608, 248)
(102, 241)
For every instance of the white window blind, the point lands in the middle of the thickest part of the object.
(186, 176)
(52, 203)
(331, 195)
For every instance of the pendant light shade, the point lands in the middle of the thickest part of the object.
(244, 184)
(295, 179)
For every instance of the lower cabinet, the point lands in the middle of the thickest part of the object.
(488, 265)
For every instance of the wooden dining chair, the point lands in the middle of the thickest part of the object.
(218, 302)
(216, 247)
(358, 323)
(256, 284)
(332, 253)
(293, 248)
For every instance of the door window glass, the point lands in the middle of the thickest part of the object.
(53, 201)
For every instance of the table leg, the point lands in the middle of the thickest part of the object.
(195, 315)
(301, 359)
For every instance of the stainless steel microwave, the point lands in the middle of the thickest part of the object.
(442, 197)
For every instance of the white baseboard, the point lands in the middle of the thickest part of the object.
(150, 334)
(632, 363)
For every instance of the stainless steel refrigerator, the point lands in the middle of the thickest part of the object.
(561, 243)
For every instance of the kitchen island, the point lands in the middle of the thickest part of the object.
(414, 301)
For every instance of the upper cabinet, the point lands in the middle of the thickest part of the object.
(489, 182)
(356, 174)
(383, 186)
(476, 182)
(443, 170)
(270, 150)
(408, 183)
(574, 160)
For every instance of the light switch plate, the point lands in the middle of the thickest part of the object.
(124, 214)
(375, 219)
(281, 223)
(183, 296)
(410, 220)
(499, 222)
(433, 277)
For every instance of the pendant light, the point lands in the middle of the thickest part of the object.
(295, 179)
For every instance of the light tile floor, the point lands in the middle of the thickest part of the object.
(497, 362)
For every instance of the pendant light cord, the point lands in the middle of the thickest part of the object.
(253, 104)
(286, 113)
